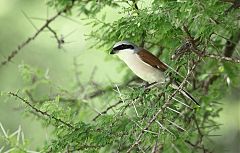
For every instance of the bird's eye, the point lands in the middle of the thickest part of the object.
(130, 46)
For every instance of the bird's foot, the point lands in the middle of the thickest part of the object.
(149, 85)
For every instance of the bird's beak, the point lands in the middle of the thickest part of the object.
(113, 52)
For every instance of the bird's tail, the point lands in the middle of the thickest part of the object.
(185, 93)
(188, 95)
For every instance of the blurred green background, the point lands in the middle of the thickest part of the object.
(43, 53)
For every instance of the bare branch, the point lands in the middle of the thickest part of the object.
(30, 39)
(60, 41)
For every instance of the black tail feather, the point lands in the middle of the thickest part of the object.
(188, 95)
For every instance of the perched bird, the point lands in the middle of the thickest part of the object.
(144, 64)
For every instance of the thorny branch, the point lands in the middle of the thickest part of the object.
(191, 45)
(61, 99)
(30, 39)
(41, 112)
(107, 89)
(106, 110)
(166, 104)
(221, 58)
(228, 52)
(96, 93)
(198, 147)
(60, 41)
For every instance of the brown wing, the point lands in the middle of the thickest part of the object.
(152, 60)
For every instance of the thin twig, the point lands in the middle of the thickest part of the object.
(100, 92)
(77, 74)
(221, 58)
(59, 40)
(106, 110)
(41, 112)
(30, 39)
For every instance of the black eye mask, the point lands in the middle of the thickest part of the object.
(123, 46)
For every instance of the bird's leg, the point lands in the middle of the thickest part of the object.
(144, 85)
(149, 85)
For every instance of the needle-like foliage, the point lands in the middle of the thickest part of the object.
(199, 41)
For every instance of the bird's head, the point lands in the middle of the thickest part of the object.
(124, 47)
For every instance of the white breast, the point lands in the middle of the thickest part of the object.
(140, 68)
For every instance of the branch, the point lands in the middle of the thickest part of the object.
(41, 112)
(60, 41)
(135, 6)
(77, 74)
(30, 39)
(198, 147)
(107, 89)
(190, 44)
(106, 110)
(209, 81)
(231, 44)
(199, 130)
(84, 146)
(221, 58)
(235, 5)
(167, 103)
(228, 52)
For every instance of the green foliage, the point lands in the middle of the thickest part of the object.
(90, 8)
(13, 142)
(180, 126)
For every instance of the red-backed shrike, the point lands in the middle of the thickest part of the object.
(144, 64)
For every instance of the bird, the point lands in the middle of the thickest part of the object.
(145, 65)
